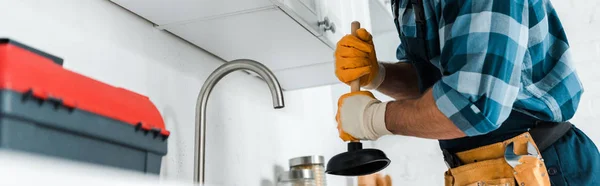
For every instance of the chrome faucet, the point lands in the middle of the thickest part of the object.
(211, 81)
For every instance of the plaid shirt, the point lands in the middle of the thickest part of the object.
(497, 56)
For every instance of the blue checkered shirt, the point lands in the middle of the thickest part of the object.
(497, 56)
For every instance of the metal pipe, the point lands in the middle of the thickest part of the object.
(211, 81)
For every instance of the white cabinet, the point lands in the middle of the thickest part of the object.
(331, 10)
(289, 36)
(162, 12)
(248, 36)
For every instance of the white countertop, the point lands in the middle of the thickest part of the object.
(19, 168)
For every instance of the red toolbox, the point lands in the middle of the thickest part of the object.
(46, 109)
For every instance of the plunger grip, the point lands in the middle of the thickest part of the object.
(354, 27)
(355, 85)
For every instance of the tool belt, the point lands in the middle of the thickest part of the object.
(513, 162)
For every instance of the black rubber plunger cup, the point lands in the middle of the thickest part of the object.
(357, 161)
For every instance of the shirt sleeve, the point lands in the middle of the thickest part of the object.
(401, 53)
(482, 53)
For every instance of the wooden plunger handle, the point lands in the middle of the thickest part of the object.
(355, 85)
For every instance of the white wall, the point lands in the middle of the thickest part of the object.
(247, 139)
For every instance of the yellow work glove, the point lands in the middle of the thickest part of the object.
(355, 58)
(375, 180)
(361, 117)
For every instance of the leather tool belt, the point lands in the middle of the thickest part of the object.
(513, 162)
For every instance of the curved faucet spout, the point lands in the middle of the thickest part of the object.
(211, 81)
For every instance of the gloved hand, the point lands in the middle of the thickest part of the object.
(361, 117)
(375, 180)
(355, 58)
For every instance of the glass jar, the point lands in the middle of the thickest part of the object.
(314, 164)
(301, 177)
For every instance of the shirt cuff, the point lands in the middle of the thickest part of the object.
(461, 111)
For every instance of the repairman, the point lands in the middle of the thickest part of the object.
(492, 80)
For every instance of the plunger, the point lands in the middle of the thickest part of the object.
(357, 161)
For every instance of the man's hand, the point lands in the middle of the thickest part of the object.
(361, 117)
(355, 58)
